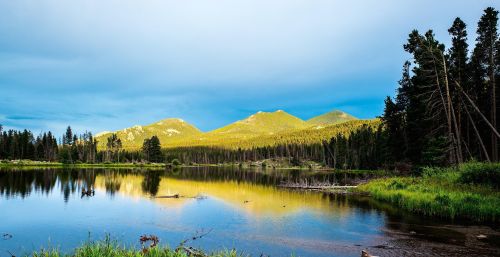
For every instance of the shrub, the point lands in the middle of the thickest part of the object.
(430, 172)
(481, 173)
(176, 162)
(397, 185)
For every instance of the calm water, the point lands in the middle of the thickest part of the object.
(243, 209)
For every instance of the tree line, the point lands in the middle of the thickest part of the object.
(23, 145)
(70, 148)
(445, 110)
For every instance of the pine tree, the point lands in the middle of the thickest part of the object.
(393, 122)
(460, 73)
(484, 68)
(68, 136)
(152, 149)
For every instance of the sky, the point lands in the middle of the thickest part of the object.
(103, 65)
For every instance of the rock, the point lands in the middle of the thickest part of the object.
(481, 237)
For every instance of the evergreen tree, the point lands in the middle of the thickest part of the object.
(393, 121)
(484, 73)
(460, 73)
(113, 147)
(152, 149)
(68, 136)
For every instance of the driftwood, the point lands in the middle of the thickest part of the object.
(366, 254)
(168, 196)
(198, 197)
(190, 251)
(315, 187)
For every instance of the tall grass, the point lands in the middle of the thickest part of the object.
(441, 192)
(110, 248)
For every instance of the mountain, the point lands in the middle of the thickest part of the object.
(333, 117)
(166, 130)
(259, 129)
(262, 123)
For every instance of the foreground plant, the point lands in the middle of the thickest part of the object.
(111, 248)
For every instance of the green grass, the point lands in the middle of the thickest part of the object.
(440, 192)
(109, 248)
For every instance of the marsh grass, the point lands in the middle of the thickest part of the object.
(110, 248)
(441, 192)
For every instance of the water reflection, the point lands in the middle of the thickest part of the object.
(70, 181)
(151, 182)
(244, 207)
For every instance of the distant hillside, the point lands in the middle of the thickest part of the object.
(263, 123)
(308, 135)
(259, 129)
(166, 130)
(333, 117)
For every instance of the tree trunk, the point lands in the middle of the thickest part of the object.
(494, 143)
(452, 111)
(478, 134)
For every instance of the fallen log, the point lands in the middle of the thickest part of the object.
(198, 197)
(168, 196)
(317, 187)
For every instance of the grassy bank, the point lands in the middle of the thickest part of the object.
(107, 248)
(470, 191)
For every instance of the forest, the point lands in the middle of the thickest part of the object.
(444, 113)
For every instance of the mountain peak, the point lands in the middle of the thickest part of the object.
(166, 130)
(332, 117)
(169, 121)
(263, 123)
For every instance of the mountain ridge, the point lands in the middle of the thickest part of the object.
(177, 132)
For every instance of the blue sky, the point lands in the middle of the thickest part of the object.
(104, 65)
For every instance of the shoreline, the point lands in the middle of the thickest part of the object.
(44, 164)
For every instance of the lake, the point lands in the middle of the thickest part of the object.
(235, 208)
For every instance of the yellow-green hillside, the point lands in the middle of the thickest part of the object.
(260, 129)
(166, 130)
(308, 135)
(333, 117)
(262, 123)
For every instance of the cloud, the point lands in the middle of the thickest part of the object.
(104, 65)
